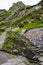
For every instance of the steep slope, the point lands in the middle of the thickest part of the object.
(20, 12)
(22, 18)
(16, 6)
(19, 19)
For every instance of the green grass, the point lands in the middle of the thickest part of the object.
(0, 33)
(4, 20)
(32, 25)
(2, 29)
(35, 24)
(23, 22)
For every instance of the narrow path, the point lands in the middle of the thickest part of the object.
(2, 37)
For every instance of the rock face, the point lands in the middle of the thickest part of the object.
(21, 16)
(19, 60)
(4, 57)
(35, 36)
(17, 6)
(8, 59)
(3, 14)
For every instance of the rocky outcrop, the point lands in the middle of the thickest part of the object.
(24, 18)
(35, 36)
(17, 6)
(3, 14)
(18, 60)
(7, 59)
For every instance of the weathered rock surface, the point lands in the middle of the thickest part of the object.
(19, 60)
(8, 59)
(4, 57)
(17, 6)
(35, 36)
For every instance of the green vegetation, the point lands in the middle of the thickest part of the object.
(12, 42)
(35, 24)
(0, 33)
(2, 21)
(18, 18)
(9, 42)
